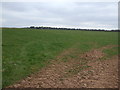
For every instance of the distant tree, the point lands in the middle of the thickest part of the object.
(32, 27)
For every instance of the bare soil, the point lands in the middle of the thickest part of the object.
(85, 71)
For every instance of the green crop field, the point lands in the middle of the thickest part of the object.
(25, 51)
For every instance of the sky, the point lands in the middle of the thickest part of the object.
(64, 13)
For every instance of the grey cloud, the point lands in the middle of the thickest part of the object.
(61, 14)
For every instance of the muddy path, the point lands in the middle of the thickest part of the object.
(84, 71)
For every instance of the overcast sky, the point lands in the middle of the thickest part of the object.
(99, 15)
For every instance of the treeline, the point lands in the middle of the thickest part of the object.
(56, 28)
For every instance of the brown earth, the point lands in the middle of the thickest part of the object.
(84, 71)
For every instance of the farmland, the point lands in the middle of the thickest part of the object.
(26, 51)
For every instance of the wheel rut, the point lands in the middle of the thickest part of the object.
(83, 71)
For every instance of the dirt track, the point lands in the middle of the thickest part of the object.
(85, 71)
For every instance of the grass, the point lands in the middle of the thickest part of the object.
(111, 52)
(25, 51)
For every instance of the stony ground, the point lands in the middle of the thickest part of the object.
(86, 70)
